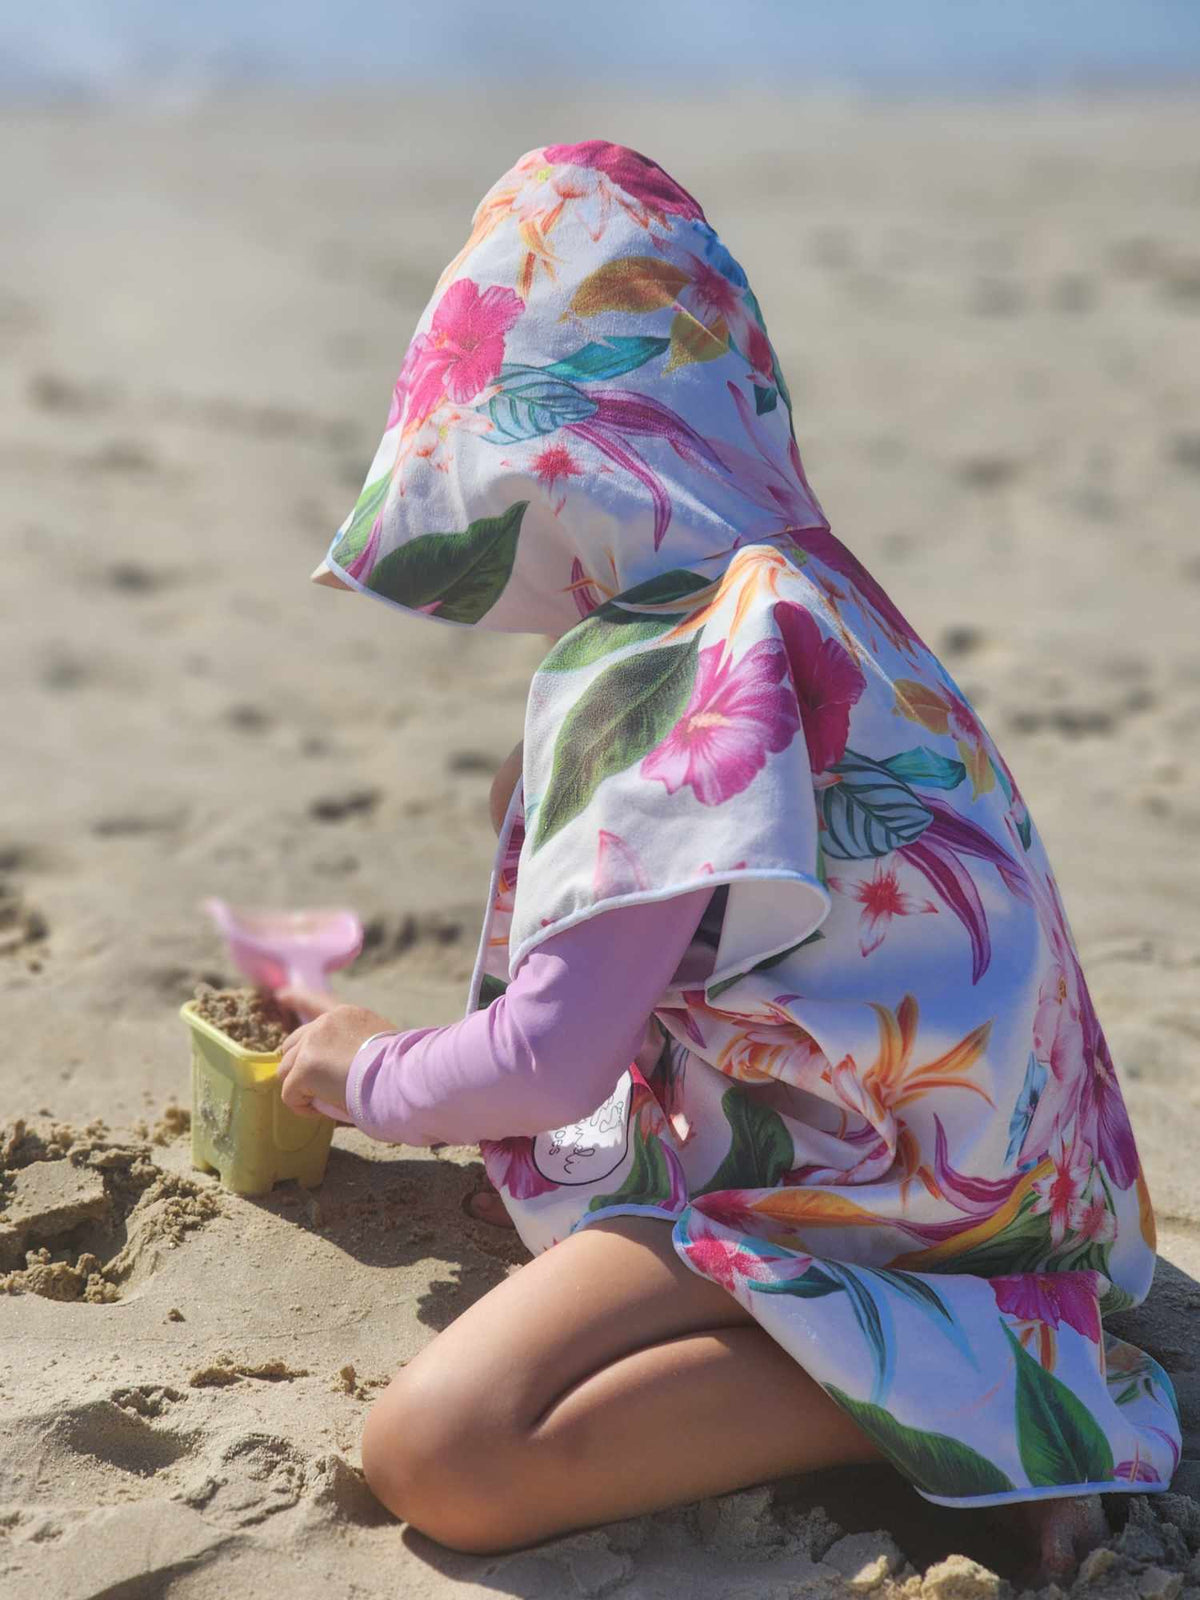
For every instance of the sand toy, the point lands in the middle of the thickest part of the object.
(241, 1128)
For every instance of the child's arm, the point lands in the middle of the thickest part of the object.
(546, 1053)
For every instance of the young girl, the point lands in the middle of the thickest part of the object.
(778, 1045)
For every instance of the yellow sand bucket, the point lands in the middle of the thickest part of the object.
(241, 1128)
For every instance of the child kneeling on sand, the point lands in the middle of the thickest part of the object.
(778, 1046)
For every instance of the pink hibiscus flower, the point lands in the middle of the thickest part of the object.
(828, 682)
(462, 352)
(736, 714)
(1052, 1297)
(509, 1165)
(640, 177)
(1060, 1192)
(881, 898)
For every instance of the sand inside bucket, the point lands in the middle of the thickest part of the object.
(252, 1018)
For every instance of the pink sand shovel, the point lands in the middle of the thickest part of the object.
(289, 949)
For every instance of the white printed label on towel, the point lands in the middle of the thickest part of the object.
(588, 1150)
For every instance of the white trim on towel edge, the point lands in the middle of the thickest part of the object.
(641, 897)
(1052, 1492)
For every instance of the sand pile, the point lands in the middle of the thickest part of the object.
(81, 1210)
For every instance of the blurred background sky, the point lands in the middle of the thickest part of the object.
(118, 49)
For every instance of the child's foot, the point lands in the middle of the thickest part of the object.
(485, 1205)
(1056, 1534)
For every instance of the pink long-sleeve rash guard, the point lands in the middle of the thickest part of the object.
(544, 1054)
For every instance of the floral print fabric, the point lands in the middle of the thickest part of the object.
(887, 1120)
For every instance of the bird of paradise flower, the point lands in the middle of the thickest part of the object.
(894, 1080)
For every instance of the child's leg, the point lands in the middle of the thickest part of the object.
(602, 1380)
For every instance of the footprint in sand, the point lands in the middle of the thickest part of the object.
(21, 925)
(354, 803)
(252, 1477)
(387, 939)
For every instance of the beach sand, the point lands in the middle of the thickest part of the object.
(990, 319)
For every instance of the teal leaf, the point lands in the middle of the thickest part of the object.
(814, 1284)
(648, 1181)
(933, 1462)
(871, 1314)
(529, 404)
(619, 718)
(764, 399)
(615, 356)
(869, 811)
(926, 1298)
(463, 574)
(715, 989)
(923, 765)
(761, 1149)
(362, 519)
(915, 1289)
(1059, 1439)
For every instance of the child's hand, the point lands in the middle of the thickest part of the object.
(316, 1056)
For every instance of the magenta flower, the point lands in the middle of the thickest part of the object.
(462, 352)
(828, 682)
(640, 177)
(730, 1264)
(735, 716)
(509, 1164)
(1052, 1297)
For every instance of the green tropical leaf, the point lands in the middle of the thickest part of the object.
(869, 811)
(663, 590)
(648, 1180)
(617, 355)
(1022, 1246)
(923, 765)
(761, 1149)
(933, 1462)
(599, 635)
(1059, 1439)
(764, 399)
(362, 519)
(530, 403)
(463, 573)
(619, 718)
(490, 989)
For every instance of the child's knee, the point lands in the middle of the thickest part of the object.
(430, 1458)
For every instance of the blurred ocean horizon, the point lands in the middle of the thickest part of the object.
(141, 50)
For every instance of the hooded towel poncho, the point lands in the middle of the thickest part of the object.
(886, 1120)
